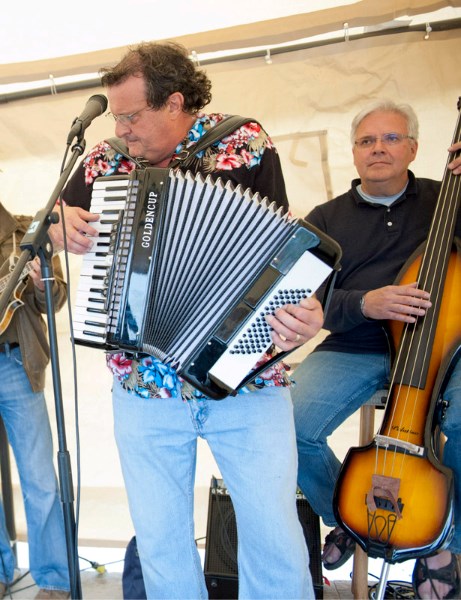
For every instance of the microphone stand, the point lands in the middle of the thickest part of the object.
(37, 242)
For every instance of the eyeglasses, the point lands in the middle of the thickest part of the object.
(387, 139)
(127, 119)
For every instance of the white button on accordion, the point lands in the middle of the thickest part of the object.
(185, 269)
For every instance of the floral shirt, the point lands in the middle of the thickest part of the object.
(246, 157)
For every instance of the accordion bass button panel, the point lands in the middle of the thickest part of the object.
(254, 338)
(257, 337)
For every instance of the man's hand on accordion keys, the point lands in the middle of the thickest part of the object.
(293, 325)
(78, 230)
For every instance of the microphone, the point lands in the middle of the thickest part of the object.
(95, 106)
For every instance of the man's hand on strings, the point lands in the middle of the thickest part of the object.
(294, 324)
(396, 302)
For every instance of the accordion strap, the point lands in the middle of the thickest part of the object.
(224, 128)
(119, 145)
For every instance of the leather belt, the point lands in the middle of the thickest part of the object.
(8, 346)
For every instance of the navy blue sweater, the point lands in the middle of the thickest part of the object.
(376, 242)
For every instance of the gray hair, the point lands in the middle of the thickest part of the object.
(405, 110)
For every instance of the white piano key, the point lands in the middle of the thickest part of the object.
(96, 338)
(90, 301)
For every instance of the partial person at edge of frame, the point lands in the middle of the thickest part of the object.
(24, 355)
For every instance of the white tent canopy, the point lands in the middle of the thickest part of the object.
(48, 40)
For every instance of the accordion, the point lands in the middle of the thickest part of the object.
(185, 269)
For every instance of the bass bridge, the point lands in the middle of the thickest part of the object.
(384, 507)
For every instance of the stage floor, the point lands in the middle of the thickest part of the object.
(108, 583)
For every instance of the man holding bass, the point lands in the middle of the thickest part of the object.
(379, 223)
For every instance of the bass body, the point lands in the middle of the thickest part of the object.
(394, 496)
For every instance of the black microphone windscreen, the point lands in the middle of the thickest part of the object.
(101, 99)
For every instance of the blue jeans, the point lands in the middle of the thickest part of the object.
(26, 421)
(330, 387)
(451, 427)
(252, 439)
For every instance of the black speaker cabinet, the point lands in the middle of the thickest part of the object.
(221, 572)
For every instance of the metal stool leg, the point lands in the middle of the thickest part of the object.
(359, 584)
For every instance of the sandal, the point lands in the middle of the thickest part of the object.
(448, 574)
(345, 544)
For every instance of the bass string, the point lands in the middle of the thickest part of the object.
(436, 254)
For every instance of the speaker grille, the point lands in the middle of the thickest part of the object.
(221, 541)
(311, 526)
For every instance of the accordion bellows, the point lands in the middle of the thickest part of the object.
(185, 268)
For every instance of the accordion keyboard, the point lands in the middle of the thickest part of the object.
(90, 316)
